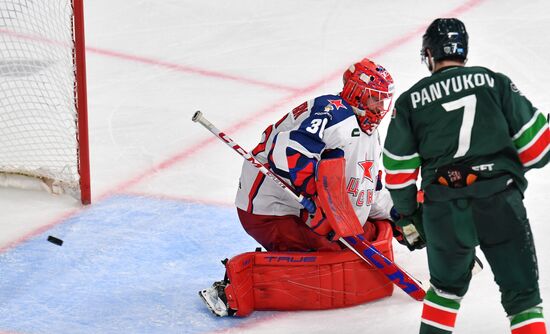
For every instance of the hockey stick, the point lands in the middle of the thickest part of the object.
(357, 244)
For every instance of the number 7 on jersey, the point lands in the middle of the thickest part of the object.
(465, 135)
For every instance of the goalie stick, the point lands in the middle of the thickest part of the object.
(357, 244)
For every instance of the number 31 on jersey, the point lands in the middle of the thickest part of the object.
(317, 126)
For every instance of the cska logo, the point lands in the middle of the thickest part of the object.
(337, 104)
(367, 169)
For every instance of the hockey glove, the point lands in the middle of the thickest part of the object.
(318, 221)
(408, 230)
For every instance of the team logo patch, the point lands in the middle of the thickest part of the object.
(355, 132)
(337, 104)
(367, 169)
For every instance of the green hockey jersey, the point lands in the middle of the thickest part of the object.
(462, 115)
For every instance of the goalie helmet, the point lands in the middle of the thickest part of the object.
(446, 39)
(368, 88)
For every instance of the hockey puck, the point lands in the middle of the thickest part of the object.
(55, 240)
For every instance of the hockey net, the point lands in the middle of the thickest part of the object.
(43, 121)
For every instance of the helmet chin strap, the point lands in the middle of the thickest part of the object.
(430, 63)
(358, 112)
(429, 60)
(361, 113)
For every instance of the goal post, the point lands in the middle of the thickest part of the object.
(43, 104)
(82, 101)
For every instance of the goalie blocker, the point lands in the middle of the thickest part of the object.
(285, 281)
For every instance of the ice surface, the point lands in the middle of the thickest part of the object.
(162, 187)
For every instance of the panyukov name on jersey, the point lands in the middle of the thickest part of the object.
(445, 87)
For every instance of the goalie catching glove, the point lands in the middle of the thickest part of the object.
(408, 230)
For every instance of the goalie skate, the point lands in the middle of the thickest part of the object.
(215, 299)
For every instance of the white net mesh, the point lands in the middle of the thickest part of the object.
(37, 91)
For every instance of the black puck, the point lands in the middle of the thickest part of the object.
(55, 240)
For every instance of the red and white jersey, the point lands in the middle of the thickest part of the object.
(316, 129)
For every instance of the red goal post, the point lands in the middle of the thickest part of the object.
(43, 99)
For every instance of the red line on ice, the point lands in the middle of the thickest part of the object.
(185, 154)
(154, 62)
(189, 69)
(251, 118)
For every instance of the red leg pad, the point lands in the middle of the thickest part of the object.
(306, 281)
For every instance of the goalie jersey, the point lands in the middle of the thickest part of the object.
(325, 127)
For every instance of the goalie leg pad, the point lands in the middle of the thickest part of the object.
(306, 281)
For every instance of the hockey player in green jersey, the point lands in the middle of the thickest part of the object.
(472, 135)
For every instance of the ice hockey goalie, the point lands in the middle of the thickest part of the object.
(327, 149)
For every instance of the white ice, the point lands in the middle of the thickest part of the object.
(244, 63)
